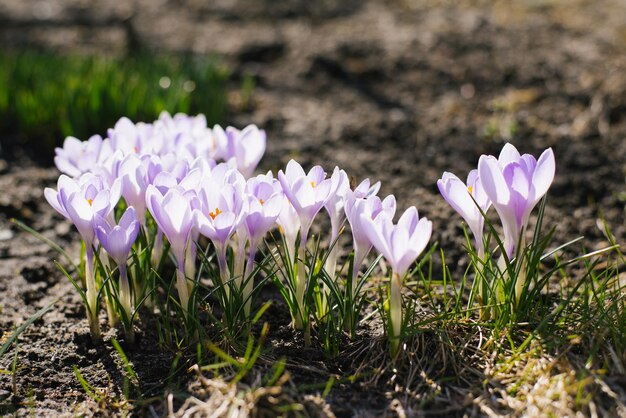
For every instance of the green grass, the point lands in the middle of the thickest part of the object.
(45, 97)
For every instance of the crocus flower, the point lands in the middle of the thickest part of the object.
(289, 225)
(220, 212)
(515, 183)
(109, 168)
(307, 192)
(365, 189)
(369, 206)
(140, 138)
(265, 200)
(245, 147)
(188, 136)
(134, 179)
(400, 245)
(81, 201)
(334, 206)
(468, 200)
(118, 241)
(172, 213)
(78, 157)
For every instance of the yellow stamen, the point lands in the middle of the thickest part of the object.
(312, 184)
(470, 189)
(90, 201)
(262, 202)
(213, 215)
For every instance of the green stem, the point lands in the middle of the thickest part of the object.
(249, 280)
(181, 286)
(395, 313)
(92, 296)
(125, 301)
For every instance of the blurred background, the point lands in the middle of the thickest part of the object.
(396, 90)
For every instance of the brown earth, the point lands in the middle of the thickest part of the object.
(398, 91)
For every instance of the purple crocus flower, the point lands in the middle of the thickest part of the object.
(366, 189)
(289, 224)
(245, 147)
(265, 201)
(118, 241)
(334, 204)
(140, 138)
(370, 206)
(78, 157)
(187, 136)
(172, 213)
(108, 169)
(400, 244)
(220, 212)
(134, 179)
(468, 199)
(81, 201)
(265, 198)
(515, 183)
(307, 192)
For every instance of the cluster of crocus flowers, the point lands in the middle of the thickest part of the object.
(179, 182)
(513, 184)
(150, 168)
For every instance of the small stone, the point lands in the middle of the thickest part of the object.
(62, 228)
(5, 234)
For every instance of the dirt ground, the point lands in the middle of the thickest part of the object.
(397, 91)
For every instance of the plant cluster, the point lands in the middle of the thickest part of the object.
(178, 199)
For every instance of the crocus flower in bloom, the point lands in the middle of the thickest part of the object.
(515, 183)
(140, 138)
(118, 241)
(172, 213)
(246, 147)
(307, 192)
(221, 211)
(400, 245)
(78, 157)
(370, 206)
(80, 201)
(365, 189)
(265, 200)
(289, 225)
(468, 200)
(188, 136)
(334, 206)
(134, 179)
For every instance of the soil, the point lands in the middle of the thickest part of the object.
(397, 91)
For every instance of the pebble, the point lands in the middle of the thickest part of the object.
(5, 234)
